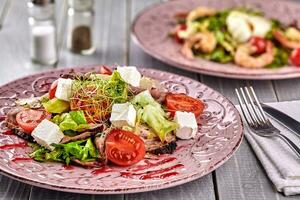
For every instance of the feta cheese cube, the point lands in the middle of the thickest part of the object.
(130, 75)
(47, 133)
(187, 125)
(64, 88)
(123, 114)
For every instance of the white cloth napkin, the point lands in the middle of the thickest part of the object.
(281, 164)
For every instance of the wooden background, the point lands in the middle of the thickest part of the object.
(241, 178)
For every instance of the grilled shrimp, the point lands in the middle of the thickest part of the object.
(244, 56)
(292, 42)
(205, 42)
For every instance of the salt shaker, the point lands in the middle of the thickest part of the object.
(43, 48)
(81, 26)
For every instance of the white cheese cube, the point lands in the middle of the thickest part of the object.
(47, 133)
(130, 75)
(123, 114)
(187, 125)
(64, 88)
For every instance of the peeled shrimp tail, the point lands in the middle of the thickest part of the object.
(205, 42)
(244, 56)
(285, 41)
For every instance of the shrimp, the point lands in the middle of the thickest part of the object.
(289, 42)
(205, 42)
(244, 58)
(200, 12)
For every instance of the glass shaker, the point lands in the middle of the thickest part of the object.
(43, 48)
(81, 26)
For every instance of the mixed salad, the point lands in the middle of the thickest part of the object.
(115, 116)
(242, 36)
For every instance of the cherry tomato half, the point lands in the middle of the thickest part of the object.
(182, 102)
(259, 43)
(52, 90)
(28, 119)
(295, 57)
(181, 27)
(105, 70)
(124, 147)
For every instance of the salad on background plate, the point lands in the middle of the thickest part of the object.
(93, 119)
(237, 35)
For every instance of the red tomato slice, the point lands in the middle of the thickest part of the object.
(182, 102)
(124, 147)
(259, 43)
(105, 70)
(181, 27)
(52, 90)
(28, 119)
(295, 57)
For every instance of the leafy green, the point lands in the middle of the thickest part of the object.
(56, 106)
(218, 55)
(117, 88)
(150, 112)
(83, 150)
(145, 98)
(74, 121)
(78, 116)
(157, 122)
(281, 58)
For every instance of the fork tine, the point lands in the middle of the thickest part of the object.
(265, 118)
(258, 114)
(248, 117)
(249, 108)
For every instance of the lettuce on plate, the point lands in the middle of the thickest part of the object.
(74, 121)
(161, 126)
(83, 150)
(56, 106)
(150, 112)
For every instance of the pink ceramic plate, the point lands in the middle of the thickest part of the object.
(152, 26)
(218, 138)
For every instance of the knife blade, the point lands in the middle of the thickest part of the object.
(283, 118)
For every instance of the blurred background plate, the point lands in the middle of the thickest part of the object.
(219, 136)
(151, 27)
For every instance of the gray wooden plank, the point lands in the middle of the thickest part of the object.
(288, 90)
(110, 37)
(11, 189)
(195, 190)
(199, 189)
(40, 193)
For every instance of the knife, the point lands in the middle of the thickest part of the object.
(283, 118)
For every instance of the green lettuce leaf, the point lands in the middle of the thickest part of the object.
(145, 98)
(150, 112)
(56, 106)
(161, 126)
(83, 150)
(74, 121)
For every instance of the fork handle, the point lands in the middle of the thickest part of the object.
(291, 144)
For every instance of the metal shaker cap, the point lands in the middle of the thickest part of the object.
(42, 2)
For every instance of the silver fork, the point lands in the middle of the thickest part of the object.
(257, 119)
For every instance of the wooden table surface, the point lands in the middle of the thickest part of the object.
(242, 177)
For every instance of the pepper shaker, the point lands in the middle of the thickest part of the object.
(43, 48)
(81, 26)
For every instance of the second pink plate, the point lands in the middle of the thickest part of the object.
(151, 27)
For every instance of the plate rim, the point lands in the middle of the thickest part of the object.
(169, 184)
(139, 42)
